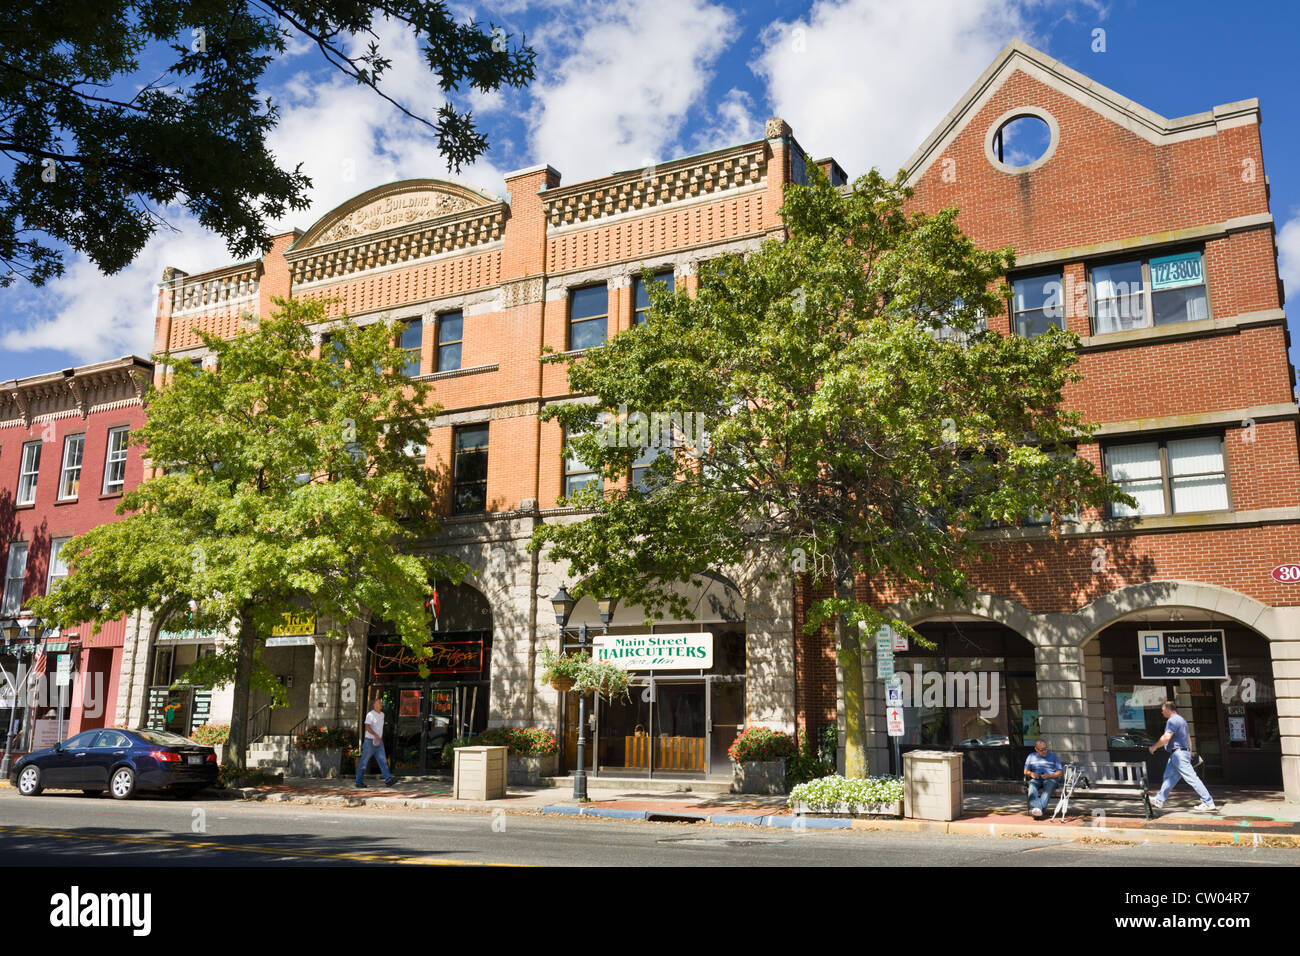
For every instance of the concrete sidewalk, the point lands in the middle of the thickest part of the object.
(1250, 817)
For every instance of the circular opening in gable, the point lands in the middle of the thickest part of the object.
(1022, 141)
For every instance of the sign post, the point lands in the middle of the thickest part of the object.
(894, 716)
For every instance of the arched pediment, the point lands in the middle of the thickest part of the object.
(400, 205)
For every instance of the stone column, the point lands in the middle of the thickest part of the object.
(769, 651)
(1095, 696)
(1286, 686)
(323, 697)
(1062, 704)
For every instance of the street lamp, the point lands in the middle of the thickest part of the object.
(564, 603)
(11, 630)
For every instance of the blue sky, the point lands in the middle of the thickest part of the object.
(626, 83)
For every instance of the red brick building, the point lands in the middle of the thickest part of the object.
(1150, 237)
(65, 463)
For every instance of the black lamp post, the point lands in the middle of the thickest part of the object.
(11, 630)
(564, 603)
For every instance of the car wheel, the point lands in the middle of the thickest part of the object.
(91, 793)
(122, 784)
(29, 781)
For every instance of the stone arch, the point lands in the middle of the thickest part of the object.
(984, 605)
(1120, 604)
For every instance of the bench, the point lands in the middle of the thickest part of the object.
(1106, 781)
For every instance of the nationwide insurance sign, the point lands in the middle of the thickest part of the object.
(691, 651)
(1182, 655)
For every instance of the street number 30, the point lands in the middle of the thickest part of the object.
(1287, 573)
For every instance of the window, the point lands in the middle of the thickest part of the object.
(1144, 292)
(115, 461)
(641, 479)
(27, 473)
(451, 330)
(588, 317)
(58, 564)
(469, 470)
(1037, 304)
(331, 348)
(577, 473)
(70, 476)
(410, 342)
(642, 294)
(15, 571)
(1174, 476)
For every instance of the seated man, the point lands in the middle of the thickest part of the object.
(1044, 770)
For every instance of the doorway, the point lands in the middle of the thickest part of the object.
(421, 718)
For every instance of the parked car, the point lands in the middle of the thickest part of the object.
(1131, 739)
(119, 761)
(988, 740)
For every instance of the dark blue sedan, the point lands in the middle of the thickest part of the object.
(119, 761)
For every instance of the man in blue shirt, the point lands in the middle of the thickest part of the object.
(1044, 770)
(1175, 740)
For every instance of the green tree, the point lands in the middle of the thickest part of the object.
(288, 478)
(112, 108)
(862, 424)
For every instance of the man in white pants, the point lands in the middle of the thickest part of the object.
(1176, 741)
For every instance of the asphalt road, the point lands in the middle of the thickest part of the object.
(70, 830)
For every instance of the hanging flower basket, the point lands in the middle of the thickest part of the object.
(562, 671)
(562, 684)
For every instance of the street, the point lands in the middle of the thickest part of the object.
(66, 830)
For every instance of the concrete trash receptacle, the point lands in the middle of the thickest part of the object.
(480, 773)
(932, 785)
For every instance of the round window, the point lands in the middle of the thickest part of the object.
(1022, 141)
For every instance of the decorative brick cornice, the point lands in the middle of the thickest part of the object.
(218, 290)
(395, 224)
(657, 185)
(74, 392)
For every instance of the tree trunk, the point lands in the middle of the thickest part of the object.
(238, 746)
(848, 643)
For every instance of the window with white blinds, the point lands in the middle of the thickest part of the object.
(1173, 476)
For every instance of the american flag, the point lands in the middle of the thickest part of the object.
(38, 666)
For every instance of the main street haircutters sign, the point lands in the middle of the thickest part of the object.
(660, 652)
(1182, 655)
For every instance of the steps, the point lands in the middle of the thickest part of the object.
(271, 753)
(642, 784)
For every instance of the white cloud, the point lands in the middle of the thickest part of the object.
(348, 140)
(621, 90)
(866, 81)
(733, 121)
(1288, 254)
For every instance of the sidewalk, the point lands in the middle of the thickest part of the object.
(1246, 817)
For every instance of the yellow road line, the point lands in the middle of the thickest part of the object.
(209, 845)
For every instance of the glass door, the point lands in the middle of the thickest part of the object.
(727, 719)
(623, 732)
(680, 727)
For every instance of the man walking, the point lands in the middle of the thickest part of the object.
(1176, 741)
(1044, 770)
(372, 743)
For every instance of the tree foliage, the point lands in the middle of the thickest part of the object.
(290, 481)
(861, 420)
(97, 145)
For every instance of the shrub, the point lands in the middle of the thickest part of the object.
(522, 742)
(449, 751)
(810, 762)
(326, 738)
(210, 735)
(761, 743)
(831, 793)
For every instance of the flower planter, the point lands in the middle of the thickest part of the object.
(527, 771)
(894, 809)
(758, 776)
(562, 684)
(316, 763)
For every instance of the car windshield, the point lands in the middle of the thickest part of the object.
(162, 738)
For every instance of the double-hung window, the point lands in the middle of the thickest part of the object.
(410, 342)
(577, 473)
(641, 292)
(115, 461)
(451, 333)
(588, 317)
(15, 571)
(29, 470)
(70, 474)
(1141, 293)
(58, 564)
(1170, 476)
(469, 470)
(1037, 304)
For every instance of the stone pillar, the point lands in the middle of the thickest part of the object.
(769, 650)
(1286, 686)
(1095, 696)
(1062, 704)
(324, 696)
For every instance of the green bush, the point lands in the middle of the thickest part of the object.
(209, 735)
(761, 743)
(449, 751)
(831, 793)
(522, 742)
(811, 761)
(326, 738)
